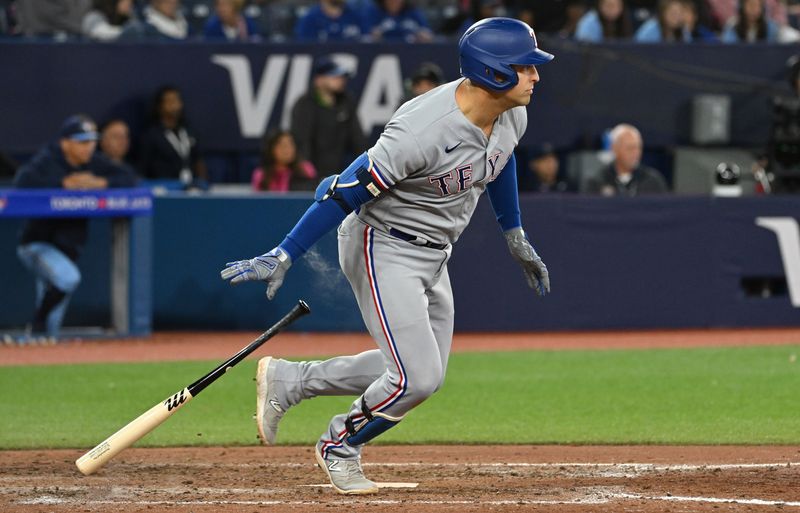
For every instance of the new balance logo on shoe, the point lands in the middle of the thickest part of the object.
(276, 406)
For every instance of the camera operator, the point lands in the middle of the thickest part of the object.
(782, 162)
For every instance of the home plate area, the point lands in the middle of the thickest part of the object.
(420, 478)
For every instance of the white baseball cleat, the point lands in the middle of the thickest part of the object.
(346, 476)
(269, 411)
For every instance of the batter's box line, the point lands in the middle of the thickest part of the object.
(654, 467)
(711, 500)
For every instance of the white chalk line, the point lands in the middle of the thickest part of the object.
(711, 500)
(654, 467)
(380, 485)
(50, 500)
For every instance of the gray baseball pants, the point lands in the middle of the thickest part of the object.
(403, 292)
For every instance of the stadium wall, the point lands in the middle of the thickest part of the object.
(615, 264)
(234, 91)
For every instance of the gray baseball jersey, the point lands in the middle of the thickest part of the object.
(437, 164)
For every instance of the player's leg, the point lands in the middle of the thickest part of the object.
(390, 278)
(441, 313)
(59, 278)
(281, 384)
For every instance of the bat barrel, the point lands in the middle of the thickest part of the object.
(130, 433)
(149, 420)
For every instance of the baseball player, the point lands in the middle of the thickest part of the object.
(400, 206)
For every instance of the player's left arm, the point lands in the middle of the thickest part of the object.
(335, 197)
(504, 197)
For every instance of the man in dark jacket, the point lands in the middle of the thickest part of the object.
(324, 121)
(626, 176)
(50, 247)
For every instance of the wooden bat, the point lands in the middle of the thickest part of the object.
(146, 422)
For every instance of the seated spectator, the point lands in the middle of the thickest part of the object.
(721, 11)
(396, 20)
(609, 21)
(574, 12)
(751, 25)
(546, 16)
(543, 174)
(228, 23)
(626, 176)
(169, 151)
(698, 31)
(329, 20)
(163, 19)
(282, 169)
(667, 26)
(58, 19)
(425, 78)
(115, 142)
(107, 18)
(480, 10)
(50, 248)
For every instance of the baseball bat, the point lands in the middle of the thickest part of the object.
(149, 420)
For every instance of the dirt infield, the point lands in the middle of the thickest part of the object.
(210, 346)
(449, 478)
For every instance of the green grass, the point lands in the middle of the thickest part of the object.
(686, 396)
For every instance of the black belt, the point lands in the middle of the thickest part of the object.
(417, 241)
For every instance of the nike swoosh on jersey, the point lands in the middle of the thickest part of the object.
(448, 150)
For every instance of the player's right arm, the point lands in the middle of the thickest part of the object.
(335, 197)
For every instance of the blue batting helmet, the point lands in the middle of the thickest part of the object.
(490, 47)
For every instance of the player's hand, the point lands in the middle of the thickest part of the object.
(270, 268)
(533, 267)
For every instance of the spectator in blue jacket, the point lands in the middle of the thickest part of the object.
(610, 20)
(50, 248)
(228, 23)
(751, 25)
(667, 26)
(329, 20)
(396, 20)
(697, 29)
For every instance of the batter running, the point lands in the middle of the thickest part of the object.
(399, 207)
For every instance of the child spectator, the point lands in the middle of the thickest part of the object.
(282, 169)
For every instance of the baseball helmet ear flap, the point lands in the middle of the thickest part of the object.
(490, 48)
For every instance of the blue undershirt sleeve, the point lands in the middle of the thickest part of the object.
(319, 219)
(336, 197)
(504, 196)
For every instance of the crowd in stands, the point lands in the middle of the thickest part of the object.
(645, 21)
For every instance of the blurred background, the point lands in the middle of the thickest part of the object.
(657, 174)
